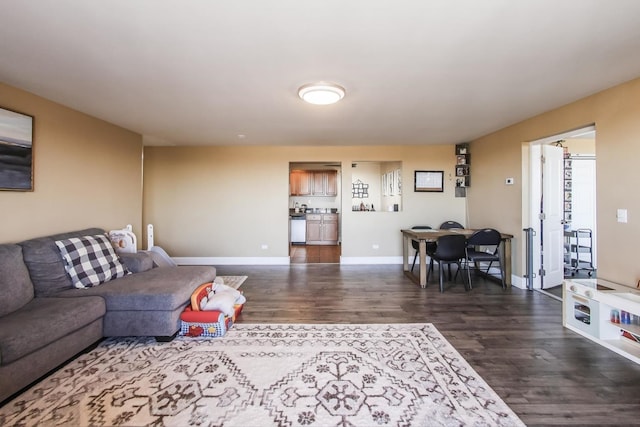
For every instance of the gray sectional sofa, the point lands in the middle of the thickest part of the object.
(45, 320)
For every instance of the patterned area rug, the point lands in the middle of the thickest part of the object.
(233, 281)
(269, 375)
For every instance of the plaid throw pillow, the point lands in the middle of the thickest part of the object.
(90, 260)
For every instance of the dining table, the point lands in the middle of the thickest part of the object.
(423, 236)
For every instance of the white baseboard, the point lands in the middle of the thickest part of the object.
(232, 260)
(278, 260)
(518, 282)
(354, 260)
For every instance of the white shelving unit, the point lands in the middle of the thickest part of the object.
(591, 312)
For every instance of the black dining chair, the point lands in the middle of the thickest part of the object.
(447, 225)
(416, 245)
(484, 246)
(450, 249)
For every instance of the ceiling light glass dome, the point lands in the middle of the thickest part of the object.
(321, 93)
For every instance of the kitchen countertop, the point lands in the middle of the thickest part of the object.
(310, 211)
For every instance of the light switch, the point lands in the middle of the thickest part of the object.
(621, 215)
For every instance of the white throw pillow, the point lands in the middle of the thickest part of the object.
(221, 301)
(221, 287)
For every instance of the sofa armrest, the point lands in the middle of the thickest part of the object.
(137, 262)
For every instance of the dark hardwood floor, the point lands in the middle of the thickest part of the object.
(314, 254)
(514, 339)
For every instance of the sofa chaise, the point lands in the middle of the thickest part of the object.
(45, 320)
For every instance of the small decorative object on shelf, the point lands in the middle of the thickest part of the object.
(463, 169)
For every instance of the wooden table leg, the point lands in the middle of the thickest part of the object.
(405, 253)
(506, 257)
(422, 253)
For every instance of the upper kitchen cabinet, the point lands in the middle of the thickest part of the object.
(313, 183)
(300, 183)
(325, 183)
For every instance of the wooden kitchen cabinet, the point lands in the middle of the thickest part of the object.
(300, 183)
(325, 183)
(314, 228)
(322, 229)
(313, 183)
(330, 230)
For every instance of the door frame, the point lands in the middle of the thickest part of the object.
(530, 207)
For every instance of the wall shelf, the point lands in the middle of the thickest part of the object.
(462, 169)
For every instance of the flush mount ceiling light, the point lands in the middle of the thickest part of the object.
(321, 93)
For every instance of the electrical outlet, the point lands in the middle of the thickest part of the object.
(376, 246)
(264, 246)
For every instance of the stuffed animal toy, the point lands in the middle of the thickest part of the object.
(217, 296)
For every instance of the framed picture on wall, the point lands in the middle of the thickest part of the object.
(429, 181)
(397, 181)
(390, 184)
(462, 170)
(16, 151)
(385, 191)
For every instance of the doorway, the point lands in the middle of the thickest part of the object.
(562, 208)
(315, 194)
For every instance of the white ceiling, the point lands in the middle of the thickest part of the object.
(196, 72)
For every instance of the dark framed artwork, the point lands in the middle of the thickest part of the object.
(429, 181)
(16, 151)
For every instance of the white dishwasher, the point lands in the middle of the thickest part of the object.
(298, 229)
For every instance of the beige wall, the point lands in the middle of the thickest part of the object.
(229, 201)
(86, 173)
(616, 114)
(581, 146)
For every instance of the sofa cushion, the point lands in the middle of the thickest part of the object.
(42, 321)
(159, 289)
(137, 262)
(90, 260)
(45, 264)
(16, 288)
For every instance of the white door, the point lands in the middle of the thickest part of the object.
(535, 166)
(552, 216)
